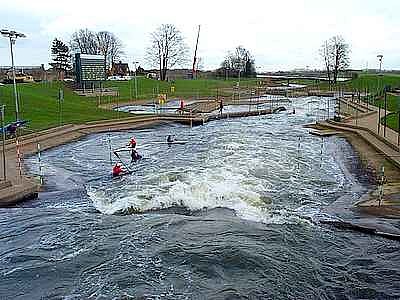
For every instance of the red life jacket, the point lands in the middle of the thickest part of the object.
(132, 142)
(117, 170)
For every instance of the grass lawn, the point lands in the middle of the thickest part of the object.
(39, 101)
(392, 121)
(39, 104)
(149, 88)
(375, 85)
(372, 82)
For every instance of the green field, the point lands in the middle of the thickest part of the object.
(38, 102)
(149, 88)
(372, 82)
(375, 85)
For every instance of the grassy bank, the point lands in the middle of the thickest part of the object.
(372, 82)
(148, 88)
(38, 102)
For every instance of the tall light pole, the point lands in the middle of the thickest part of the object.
(3, 142)
(380, 57)
(13, 35)
(136, 94)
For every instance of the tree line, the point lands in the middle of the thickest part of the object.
(167, 49)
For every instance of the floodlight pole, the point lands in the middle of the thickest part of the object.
(12, 42)
(380, 57)
(13, 35)
(4, 142)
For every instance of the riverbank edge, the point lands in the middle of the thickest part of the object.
(368, 203)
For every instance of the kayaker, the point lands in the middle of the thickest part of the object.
(117, 170)
(170, 139)
(132, 143)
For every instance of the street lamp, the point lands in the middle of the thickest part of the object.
(3, 107)
(13, 35)
(380, 57)
(136, 94)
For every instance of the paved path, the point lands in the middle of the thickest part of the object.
(365, 125)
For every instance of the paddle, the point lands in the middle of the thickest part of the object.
(126, 167)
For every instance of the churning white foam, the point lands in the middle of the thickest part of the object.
(209, 189)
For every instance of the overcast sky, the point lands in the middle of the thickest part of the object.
(281, 34)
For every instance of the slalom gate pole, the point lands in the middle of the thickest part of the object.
(127, 168)
(109, 146)
(40, 164)
(19, 157)
(321, 151)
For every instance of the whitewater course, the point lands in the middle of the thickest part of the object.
(237, 212)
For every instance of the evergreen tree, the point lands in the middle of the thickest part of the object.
(61, 58)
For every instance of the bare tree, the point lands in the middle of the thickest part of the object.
(85, 41)
(335, 53)
(341, 52)
(240, 60)
(110, 47)
(167, 49)
(327, 57)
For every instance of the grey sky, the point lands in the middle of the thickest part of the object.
(280, 34)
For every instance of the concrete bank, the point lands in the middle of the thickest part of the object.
(378, 151)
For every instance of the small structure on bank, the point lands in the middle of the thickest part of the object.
(119, 69)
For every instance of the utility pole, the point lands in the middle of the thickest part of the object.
(13, 35)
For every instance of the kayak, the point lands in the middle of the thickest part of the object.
(122, 174)
(172, 143)
(124, 149)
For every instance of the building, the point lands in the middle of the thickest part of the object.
(119, 69)
(23, 73)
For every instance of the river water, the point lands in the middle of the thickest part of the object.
(232, 214)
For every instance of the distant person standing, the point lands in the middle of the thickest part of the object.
(181, 106)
